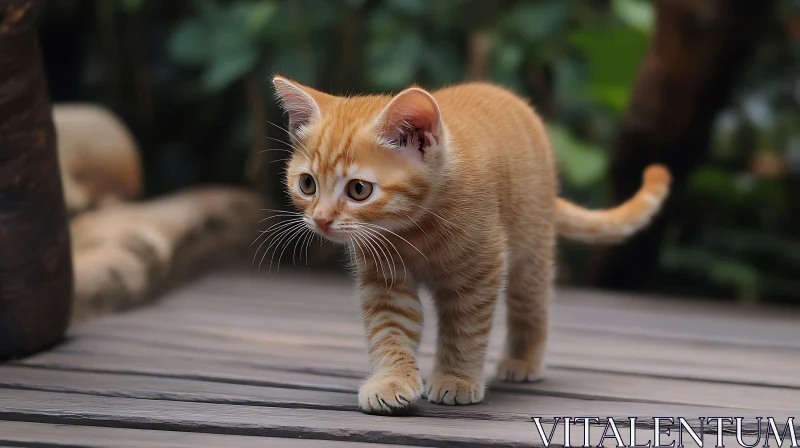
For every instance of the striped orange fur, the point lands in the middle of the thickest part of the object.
(456, 191)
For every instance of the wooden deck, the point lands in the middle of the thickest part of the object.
(239, 360)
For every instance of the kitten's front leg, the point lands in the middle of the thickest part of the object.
(465, 321)
(393, 324)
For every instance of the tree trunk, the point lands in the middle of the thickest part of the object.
(35, 263)
(699, 50)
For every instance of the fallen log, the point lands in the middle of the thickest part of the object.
(130, 253)
(99, 159)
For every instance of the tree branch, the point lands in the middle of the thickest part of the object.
(35, 264)
(699, 50)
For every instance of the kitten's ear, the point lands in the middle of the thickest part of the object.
(412, 122)
(303, 104)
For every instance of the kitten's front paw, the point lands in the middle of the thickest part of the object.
(445, 388)
(518, 370)
(390, 393)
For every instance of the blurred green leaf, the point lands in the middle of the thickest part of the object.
(739, 274)
(568, 82)
(535, 21)
(384, 24)
(409, 6)
(507, 59)
(208, 8)
(229, 31)
(722, 271)
(614, 56)
(189, 44)
(297, 62)
(260, 15)
(581, 164)
(711, 183)
(509, 56)
(636, 13)
(442, 63)
(749, 243)
(227, 68)
(394, 63)
(131, 6)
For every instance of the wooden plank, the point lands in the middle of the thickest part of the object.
(187, 368)
(608, 353)
(339, 359)
(39, 434)
(558, 383)
(48, 407)
(182, 417)
(350, 327)
(498, 405)
(588, 311)
(222, 358)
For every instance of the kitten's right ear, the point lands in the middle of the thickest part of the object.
(412, 123)
(303, 104)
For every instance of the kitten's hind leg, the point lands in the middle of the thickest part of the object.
(393, 323)
(528, 296)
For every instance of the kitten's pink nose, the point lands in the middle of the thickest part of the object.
(323, 223)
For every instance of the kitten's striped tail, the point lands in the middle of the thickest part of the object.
(616, 224)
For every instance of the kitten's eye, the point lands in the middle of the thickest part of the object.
(307, 184)
(359, 190)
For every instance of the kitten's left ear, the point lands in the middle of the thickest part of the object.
(412, 122)
(303, 104)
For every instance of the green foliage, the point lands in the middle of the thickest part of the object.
(535, 21)
(742, 277)
(595, 52)
(223, 40)
(207, 64)
(131, 6)
(636, 13)
(582, 165)
(614, 56)
(394, 60)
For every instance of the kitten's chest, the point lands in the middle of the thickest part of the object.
(429, 261)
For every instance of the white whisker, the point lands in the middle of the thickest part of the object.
(308, 244)
(434, 214)
(303, 150)
(283, 215)
(299, 239)
(276, 149)
(452, 224)
(294, 235)
(398, 236)
(277, 242)
(354, 239)
(417, 224)
(374, 254)
(281, 211)
(386, 253)
(274, 227)
(288, 133)
(387, 240)
(276, 238)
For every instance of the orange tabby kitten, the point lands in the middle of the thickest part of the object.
(455, 191)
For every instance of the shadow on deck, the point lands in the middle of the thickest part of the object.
(237, 360)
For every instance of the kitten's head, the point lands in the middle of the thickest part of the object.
(362, 163)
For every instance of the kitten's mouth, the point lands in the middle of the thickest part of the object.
(334, 235)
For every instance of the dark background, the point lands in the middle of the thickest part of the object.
(191, 79)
